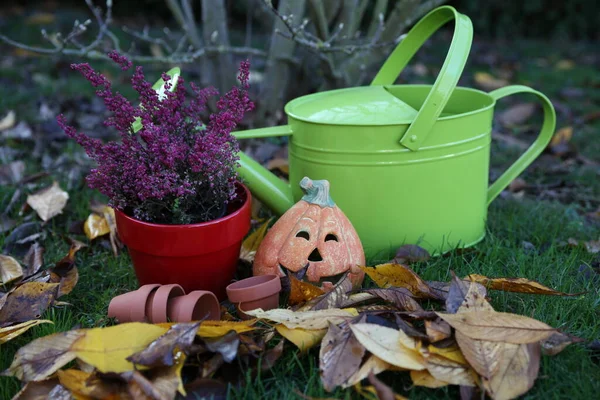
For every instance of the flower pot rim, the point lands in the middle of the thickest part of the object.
(187, 304)
(200, 224)
(261, 286)
(158, 308)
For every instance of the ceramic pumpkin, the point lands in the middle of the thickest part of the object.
(313, 240)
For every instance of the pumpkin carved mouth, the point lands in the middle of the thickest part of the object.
(325, 282)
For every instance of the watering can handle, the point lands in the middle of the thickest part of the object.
(449, 74)
(536, 147)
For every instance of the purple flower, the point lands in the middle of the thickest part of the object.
(176, 169)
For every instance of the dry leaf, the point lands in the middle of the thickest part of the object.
(40, 391)
(391, 345)
(301, 291)
(10, 269)
(465, 295)
(271, 356)
(226, 345)
(48, 202)
(13, 331)
(34, 259)
(252, 242)
(8, 121)
(498, 326)
(85, 385)
(27, 302)
(559, 144)
(482, 355)
(489, 82)
(518, 285)
(398, 275)
(303, 339)
(401, 297)
(437, 330)
(517, 114)
(42, 357)
(167, 380)
(340, 356)
(446, 370)
(425, 379)
(336, 297)
(65, 272)
(383, 391)
(213, 329)
(95, 226)
(107, 349)
(164, 350)
(409, 254)
(12, 172)
(518, 369)
(374, 365)
(311, 320)
(452, 352)
(557, 343)
(281, 164)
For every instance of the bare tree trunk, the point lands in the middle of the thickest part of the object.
(216, 33)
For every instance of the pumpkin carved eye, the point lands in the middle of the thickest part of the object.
(331, 236)
(303, 235)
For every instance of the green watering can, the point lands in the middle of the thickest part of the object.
(406, 163)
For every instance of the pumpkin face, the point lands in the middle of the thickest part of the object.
(313, 240)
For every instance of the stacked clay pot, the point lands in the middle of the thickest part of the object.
(161, 303)
(255, 292)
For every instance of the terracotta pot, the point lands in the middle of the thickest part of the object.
(156, 305)
(255, 292)
(131, 306)
(196, 256)
(195, 306)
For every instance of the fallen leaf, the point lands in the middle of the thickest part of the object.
(446, 370)
(107, 349)
(488, 82)
(303, 339)
(271, 356)
(40, 18)
(557, 342)
(8, 121)
(34, 259)
(401, 297)
(340, 356)
(517, 114)
(11, 332)
(164, 350)
(410, 254)
(212, 365)
(21, 131)
(391, 345)
(18, 241)
(12, 172)
(27, 302)
(518, 369)
(452, 352)
(565, 65)
(559, 145)
(498, 326)
(65, 272)
(373, 365)
(140, 387)
(383, 391)
(10, 269)
(398, 275)
(211, 329)
(279, 163)
(226, 345)
(95, 226)
(463, 294)
(84, 384)
(48, 202)
(425, 379)
(482, 355)
(42, 357)
(311, 320)
(207, 389)
(518, 285)
(334, 298)
(252, 242)
(437, 330)
(39, 390)
(301, 291)
(167, 380)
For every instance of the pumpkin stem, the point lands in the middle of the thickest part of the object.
(316, 192)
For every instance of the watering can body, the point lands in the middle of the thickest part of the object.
(406, 163)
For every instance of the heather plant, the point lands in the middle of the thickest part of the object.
(176, 169)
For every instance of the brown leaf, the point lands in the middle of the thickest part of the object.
(280, 164)
(398, 275)
(34, 259)
(488, 82)
(446, 370)
(13, 331)
(84, 384)
(301, 291)
(28, 301)
(410, 254)
(12, 172)
(557, 343)
(464, 294)
(48, 202)
(206, 389)
(383, 391)
(437, 330)
(10, 269)
(498, 326)
(401, 297)
(517, 114)
(141, 388)
(212, 365)
(518, 369)
(167, 380)
(271, 356)
(482, 355)
(65, 272)
(227, 345)
(39, 390)
(518, 285)
(165, 350)
(252, 242)
(43, 356)
(335, 298)
(340, 356)
(425, 379)
(373, 365)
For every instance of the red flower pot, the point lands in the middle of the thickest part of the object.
(197, 256)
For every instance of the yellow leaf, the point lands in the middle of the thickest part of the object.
(398, 275)
(311, 320)
(488, 81)
(483, 355)
(40, 18)
(563, 135)
(10, 269)
(374, 365)
(83, 385)
(516, 374)
(446, 370)
(211, 329)
(107, 348)
(48, 202)
(452, 353)
(391, 345)
(518, 285)
(12, 332)
(252, 242)
(437, 330)
(95, 226)
(301, 292)
(303, 339)
(425, 379)
(28, 301)
(498, 327)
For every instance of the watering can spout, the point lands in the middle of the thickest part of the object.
(265, 186)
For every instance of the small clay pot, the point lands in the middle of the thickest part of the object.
(131, 306)
(156, 306)
(194, 306)
(255, 292)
